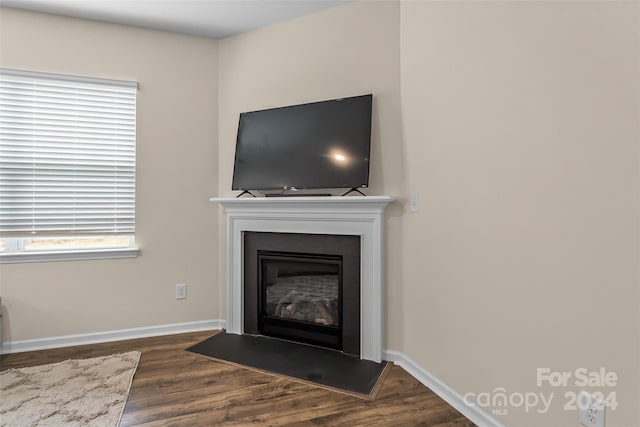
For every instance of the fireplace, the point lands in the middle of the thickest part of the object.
(304, 288)
(355, 217)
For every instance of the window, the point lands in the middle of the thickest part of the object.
(67, 166)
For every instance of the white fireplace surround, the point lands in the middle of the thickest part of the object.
(361, 216)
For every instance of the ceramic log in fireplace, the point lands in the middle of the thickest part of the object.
(303, 287)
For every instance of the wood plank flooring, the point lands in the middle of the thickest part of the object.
(173, 387)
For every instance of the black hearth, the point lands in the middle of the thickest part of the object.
(304, 288)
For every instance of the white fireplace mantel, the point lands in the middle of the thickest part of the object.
(353, 215)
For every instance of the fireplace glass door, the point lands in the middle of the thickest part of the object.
(300, 297)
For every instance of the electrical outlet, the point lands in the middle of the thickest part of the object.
(414, 202)
(591, 410)
(181, 291)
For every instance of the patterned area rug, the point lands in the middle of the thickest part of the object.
(88, 392)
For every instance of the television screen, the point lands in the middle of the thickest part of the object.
(317, 145)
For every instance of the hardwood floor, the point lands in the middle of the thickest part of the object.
(173, 387)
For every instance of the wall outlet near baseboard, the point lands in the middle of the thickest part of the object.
(591, 410)
(181, 291)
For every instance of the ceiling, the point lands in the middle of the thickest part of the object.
(206, 18)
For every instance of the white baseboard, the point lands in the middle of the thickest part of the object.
(449, 395)
(107, 336)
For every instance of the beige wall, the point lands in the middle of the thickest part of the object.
(521, 124)
(348, 50)
(176, 174)
(518, 128)
(517, 124)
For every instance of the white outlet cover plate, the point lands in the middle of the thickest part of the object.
(414, 202)
(181, 291)
(591, 410)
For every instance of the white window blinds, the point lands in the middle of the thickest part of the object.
(67, 155)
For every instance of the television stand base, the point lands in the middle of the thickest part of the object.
(298, 195)
(352, 190)
(245, 192)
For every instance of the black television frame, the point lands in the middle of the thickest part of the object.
(365, 172)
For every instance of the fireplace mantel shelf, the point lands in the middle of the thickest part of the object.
(350, 215)
(315, 202)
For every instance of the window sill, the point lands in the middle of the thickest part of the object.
(71, 255)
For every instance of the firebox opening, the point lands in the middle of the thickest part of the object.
(318, 258)
(300, 297)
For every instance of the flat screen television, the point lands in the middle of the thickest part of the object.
(309, 146)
